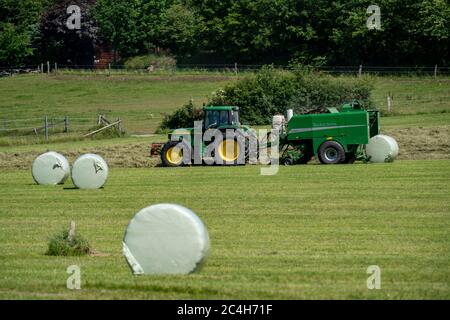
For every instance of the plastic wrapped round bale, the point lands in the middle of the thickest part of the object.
(50, 168)
(165, 239)
(382, 149)
(89, 171)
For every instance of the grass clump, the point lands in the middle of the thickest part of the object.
(60, 245)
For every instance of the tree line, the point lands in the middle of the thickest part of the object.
(310, 32)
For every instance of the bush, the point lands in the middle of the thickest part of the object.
(159, 62)
(60, 245)
(181, 118)
(317, 91)
(272, 91)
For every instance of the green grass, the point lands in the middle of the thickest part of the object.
(416, 121)
(308, 232)
(138, 101)
(412, 95)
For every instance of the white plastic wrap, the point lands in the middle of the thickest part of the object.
(50, 168)
(165, 239)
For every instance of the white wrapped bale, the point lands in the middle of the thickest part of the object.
(382, 149)
(89, 171)
(50, 168)
(165, 239)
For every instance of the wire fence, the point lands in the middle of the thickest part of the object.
(44, 127)
(227, 68)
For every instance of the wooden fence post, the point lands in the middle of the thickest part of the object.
(360, 70)
(236, 68)
(46, 128)
(66, 124)
(389, 102)
(435, 71)
(48, 67)
(119, 126)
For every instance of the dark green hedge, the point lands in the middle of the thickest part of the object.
(269, 91)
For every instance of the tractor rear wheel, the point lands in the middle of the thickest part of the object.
(230, 152)
(172, 154)
(331, 152)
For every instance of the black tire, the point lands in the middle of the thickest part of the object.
(331, 152)
(166, 161)
(287, 162)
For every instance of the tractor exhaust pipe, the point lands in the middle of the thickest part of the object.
(289, 114)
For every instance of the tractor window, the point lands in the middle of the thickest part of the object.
(235, 117)
(212, 117)
(224, 117)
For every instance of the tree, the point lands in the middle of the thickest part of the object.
(65, 45)
(118, 21)
(179, 29)
(14, 45)
(150, 22)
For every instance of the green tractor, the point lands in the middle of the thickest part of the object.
(219, 119)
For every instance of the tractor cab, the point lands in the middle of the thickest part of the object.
(221, 117)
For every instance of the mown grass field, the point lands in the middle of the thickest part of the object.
(309, 232)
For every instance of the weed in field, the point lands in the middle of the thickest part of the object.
(60, 244)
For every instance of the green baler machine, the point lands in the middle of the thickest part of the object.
(334, 137)
(338, 136)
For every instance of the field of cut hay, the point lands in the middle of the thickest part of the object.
(308, 232)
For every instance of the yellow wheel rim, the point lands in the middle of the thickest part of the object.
(174, 155)
(229, 150)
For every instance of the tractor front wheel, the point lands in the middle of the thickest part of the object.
(331, 152)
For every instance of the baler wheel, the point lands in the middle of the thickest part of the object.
(331, 152)
(287, 162)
